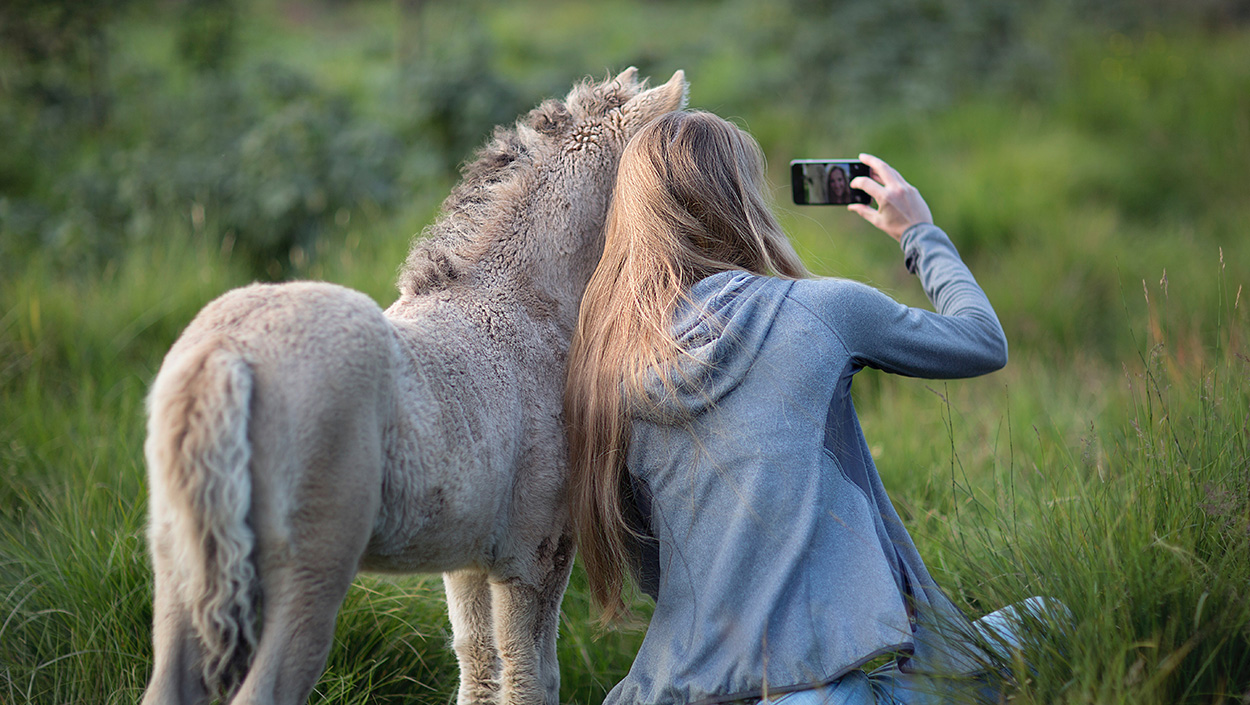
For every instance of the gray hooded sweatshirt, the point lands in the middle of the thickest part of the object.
(775, 558)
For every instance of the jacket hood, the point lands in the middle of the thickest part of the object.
(721, 329)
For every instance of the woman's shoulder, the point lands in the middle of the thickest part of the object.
(831, 299)
(842, 302)
(732, 288)
(834, 291)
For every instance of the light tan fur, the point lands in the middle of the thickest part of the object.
(298, 433)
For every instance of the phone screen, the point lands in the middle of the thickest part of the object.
(827, 182)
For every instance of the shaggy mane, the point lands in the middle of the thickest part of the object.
(441, 253)
(492, 185)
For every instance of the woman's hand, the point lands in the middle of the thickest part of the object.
(899, 204)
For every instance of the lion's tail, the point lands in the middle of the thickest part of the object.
(200, 493)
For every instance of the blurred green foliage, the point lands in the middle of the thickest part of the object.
(109, 137)
(264, 156)
(59, 55)
(269, 159)
(208, 33)
(454, 93)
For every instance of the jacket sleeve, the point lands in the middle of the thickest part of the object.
(962, 339)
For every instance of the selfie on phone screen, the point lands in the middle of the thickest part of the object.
(828, 182)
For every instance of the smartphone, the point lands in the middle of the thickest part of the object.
(827, 182)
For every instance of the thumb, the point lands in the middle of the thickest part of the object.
(865, 211)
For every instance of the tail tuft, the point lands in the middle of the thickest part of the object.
(198, 456)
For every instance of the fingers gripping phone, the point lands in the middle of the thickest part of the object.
(827, 182)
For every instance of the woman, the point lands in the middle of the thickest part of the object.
(716, 454)
(838, 186)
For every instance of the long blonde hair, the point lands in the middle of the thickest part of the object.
(689, 202)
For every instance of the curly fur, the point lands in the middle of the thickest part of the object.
(198, 425)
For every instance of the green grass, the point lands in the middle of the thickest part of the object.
(1106, 466)
(1141, 526)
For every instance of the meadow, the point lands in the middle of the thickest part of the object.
(1093, 178)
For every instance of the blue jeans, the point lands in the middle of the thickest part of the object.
(888, 685)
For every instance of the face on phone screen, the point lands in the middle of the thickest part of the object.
(827, 181)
